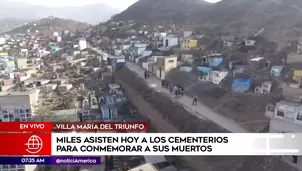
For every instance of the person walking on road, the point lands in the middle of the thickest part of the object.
(194, 100)
(177, 92)
(146, 74)
(182, 91)
(163, 83)
(295, 159)
(171, 87)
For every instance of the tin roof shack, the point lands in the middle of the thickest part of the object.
(259, 63)
(242, 85)
(285, 116)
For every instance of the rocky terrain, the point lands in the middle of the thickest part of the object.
(49, 25)
(280, 18)
(168, 10)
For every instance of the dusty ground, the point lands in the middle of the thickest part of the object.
(167, 116)
(245, 108)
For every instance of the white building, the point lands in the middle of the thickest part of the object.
(286, 117)
(248, 42)
(82, 44)
(18, 106)
(214, 77)
(55, 34)
(170, 41)
(59, 39)
(2, 40)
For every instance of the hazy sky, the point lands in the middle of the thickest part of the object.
(120, 4)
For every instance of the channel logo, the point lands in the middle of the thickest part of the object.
(34, 144)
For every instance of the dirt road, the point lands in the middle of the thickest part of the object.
(179, 122)
(160, 124)
(201, 110)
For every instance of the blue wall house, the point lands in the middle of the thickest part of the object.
(186, 69)
(212, 76)
(242, 85)
(212, 60)
(116, 62)
(204, 69)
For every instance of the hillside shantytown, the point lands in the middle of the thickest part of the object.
(178, 76)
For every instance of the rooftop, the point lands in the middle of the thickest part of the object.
(144, 167)
(155, 159)
(18, 93)
(289, 103)
(257, 59)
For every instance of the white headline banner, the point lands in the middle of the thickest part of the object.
(179, 144)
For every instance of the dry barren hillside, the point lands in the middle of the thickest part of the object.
(49, 25)
(282, 19)
(7, 24)
(167, 10)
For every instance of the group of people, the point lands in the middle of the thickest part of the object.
(178, 89)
